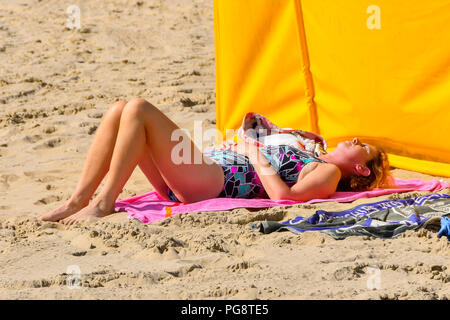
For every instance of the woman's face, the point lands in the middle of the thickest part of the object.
(355, 153)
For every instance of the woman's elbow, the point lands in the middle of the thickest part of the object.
(278, 195)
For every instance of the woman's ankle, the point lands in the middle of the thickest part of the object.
(103, 204)
(77, 202)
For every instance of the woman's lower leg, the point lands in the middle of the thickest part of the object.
(95, 167)
(128, 150)
(99, 156)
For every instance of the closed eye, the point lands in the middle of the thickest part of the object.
(367, 148)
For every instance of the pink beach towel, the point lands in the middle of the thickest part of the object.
(150, 207)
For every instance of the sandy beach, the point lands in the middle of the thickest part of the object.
(56, 82)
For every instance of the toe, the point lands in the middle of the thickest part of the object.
(66, 221)
(75, 219)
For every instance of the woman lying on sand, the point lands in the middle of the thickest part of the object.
(136, 133)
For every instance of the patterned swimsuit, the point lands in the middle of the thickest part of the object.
(241, 179)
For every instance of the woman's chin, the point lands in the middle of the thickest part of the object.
(341, 145)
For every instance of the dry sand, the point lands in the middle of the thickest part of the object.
(55, 85)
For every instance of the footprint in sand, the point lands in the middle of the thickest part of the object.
(32, 139)
(200, 108)
(52, 143)
(95, 115)
(49, 129)
(29, 174)
(47, 200)
(85, 124)
(44, 179)
(7, 178)
(240, 266)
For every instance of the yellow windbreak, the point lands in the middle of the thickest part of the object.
(259, 63)
(385, 81)
(378, 70)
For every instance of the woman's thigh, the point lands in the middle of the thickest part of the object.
(181, 164)
(148, 167)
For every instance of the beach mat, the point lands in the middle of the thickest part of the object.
(151, 207)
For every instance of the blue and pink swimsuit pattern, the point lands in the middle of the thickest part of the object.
(241, 179)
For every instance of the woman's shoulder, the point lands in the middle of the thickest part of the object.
(321, 179)
(324, 169)
(329, 169)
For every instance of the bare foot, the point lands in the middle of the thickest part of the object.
(91, 211)
(64, 211)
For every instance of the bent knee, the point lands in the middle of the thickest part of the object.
(138, 101)
(138, 106)
(117, 107)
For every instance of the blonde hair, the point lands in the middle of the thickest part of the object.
(379, 176)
